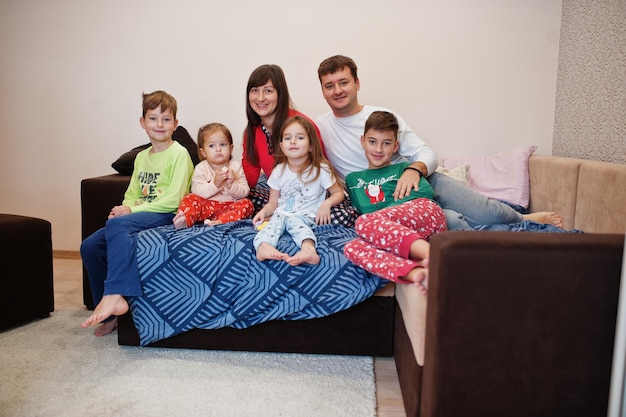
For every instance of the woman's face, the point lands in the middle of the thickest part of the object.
(263, 101)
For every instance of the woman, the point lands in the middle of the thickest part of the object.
(268, 105)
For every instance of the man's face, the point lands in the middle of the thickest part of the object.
(340, 92)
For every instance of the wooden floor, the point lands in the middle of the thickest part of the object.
(68, 295)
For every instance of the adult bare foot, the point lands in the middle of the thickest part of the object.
(110, 305)
(106, 327)
(545, 217)
(267, 251)
(306, 255)
(419, 277)
(180, 221)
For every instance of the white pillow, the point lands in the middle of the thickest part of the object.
(502, 176)
(460, 173)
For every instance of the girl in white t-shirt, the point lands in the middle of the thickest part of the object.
(298, 186)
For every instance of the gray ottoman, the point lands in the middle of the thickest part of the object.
(25, 269)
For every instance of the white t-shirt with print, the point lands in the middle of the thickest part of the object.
(298, 195)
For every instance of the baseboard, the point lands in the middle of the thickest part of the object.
(66, 254)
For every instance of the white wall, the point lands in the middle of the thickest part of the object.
(469, 77)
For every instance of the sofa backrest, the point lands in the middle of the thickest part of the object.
(589, 195)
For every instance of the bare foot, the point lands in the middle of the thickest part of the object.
(545, 217)
(419, 277)
(212, 222)
(307, 254)
(267, 251)
(110, 305)
(180, 221)
(106, 327)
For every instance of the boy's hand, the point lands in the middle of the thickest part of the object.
(118, 211)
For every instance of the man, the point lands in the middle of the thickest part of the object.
(341, 130)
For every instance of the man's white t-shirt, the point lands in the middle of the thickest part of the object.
(342, 141)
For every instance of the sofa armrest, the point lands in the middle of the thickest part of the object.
(97, 197)
(520, 324)
(553, 184)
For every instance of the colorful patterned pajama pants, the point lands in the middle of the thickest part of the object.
(198, 208)
(386, 235)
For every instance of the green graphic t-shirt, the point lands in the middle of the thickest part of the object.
(372, 189)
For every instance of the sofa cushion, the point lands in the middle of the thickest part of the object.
(502, 176)
(460, 173)
(600, 198)
(553, 182)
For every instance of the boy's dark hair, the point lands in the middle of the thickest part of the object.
(159, 99)
(210, 128)
(336, 63)
(382, 121)
(259, 77)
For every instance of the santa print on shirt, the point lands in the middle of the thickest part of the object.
(373, 189)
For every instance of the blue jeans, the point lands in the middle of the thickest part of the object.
(109, 254)
(299, 227)
(465, 208)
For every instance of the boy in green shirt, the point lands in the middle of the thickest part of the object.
(161, 178)
(393, 232)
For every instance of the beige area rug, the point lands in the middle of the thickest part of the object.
(53, 367)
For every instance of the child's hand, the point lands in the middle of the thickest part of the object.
(259, 218)
(323, 214)
(221, 177)
(118, 211)
(230, 178)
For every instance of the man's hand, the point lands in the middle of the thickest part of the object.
(409, 181)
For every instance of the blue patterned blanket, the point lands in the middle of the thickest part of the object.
(209, 277)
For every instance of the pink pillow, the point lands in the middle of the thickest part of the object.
(503, 176)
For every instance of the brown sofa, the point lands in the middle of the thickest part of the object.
(517, 323)
(365, 329)
(520, 324)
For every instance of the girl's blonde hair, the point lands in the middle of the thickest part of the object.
(209, 129)
(316, 157)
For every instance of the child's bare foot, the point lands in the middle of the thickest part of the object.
(267, 251)
(419, 277)
(180, 221)
(545, 217)
(110, 305)
(307, 254)
(106, 327)
(212, 222)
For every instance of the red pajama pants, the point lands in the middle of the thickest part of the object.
(197, 209)
(386, 235)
